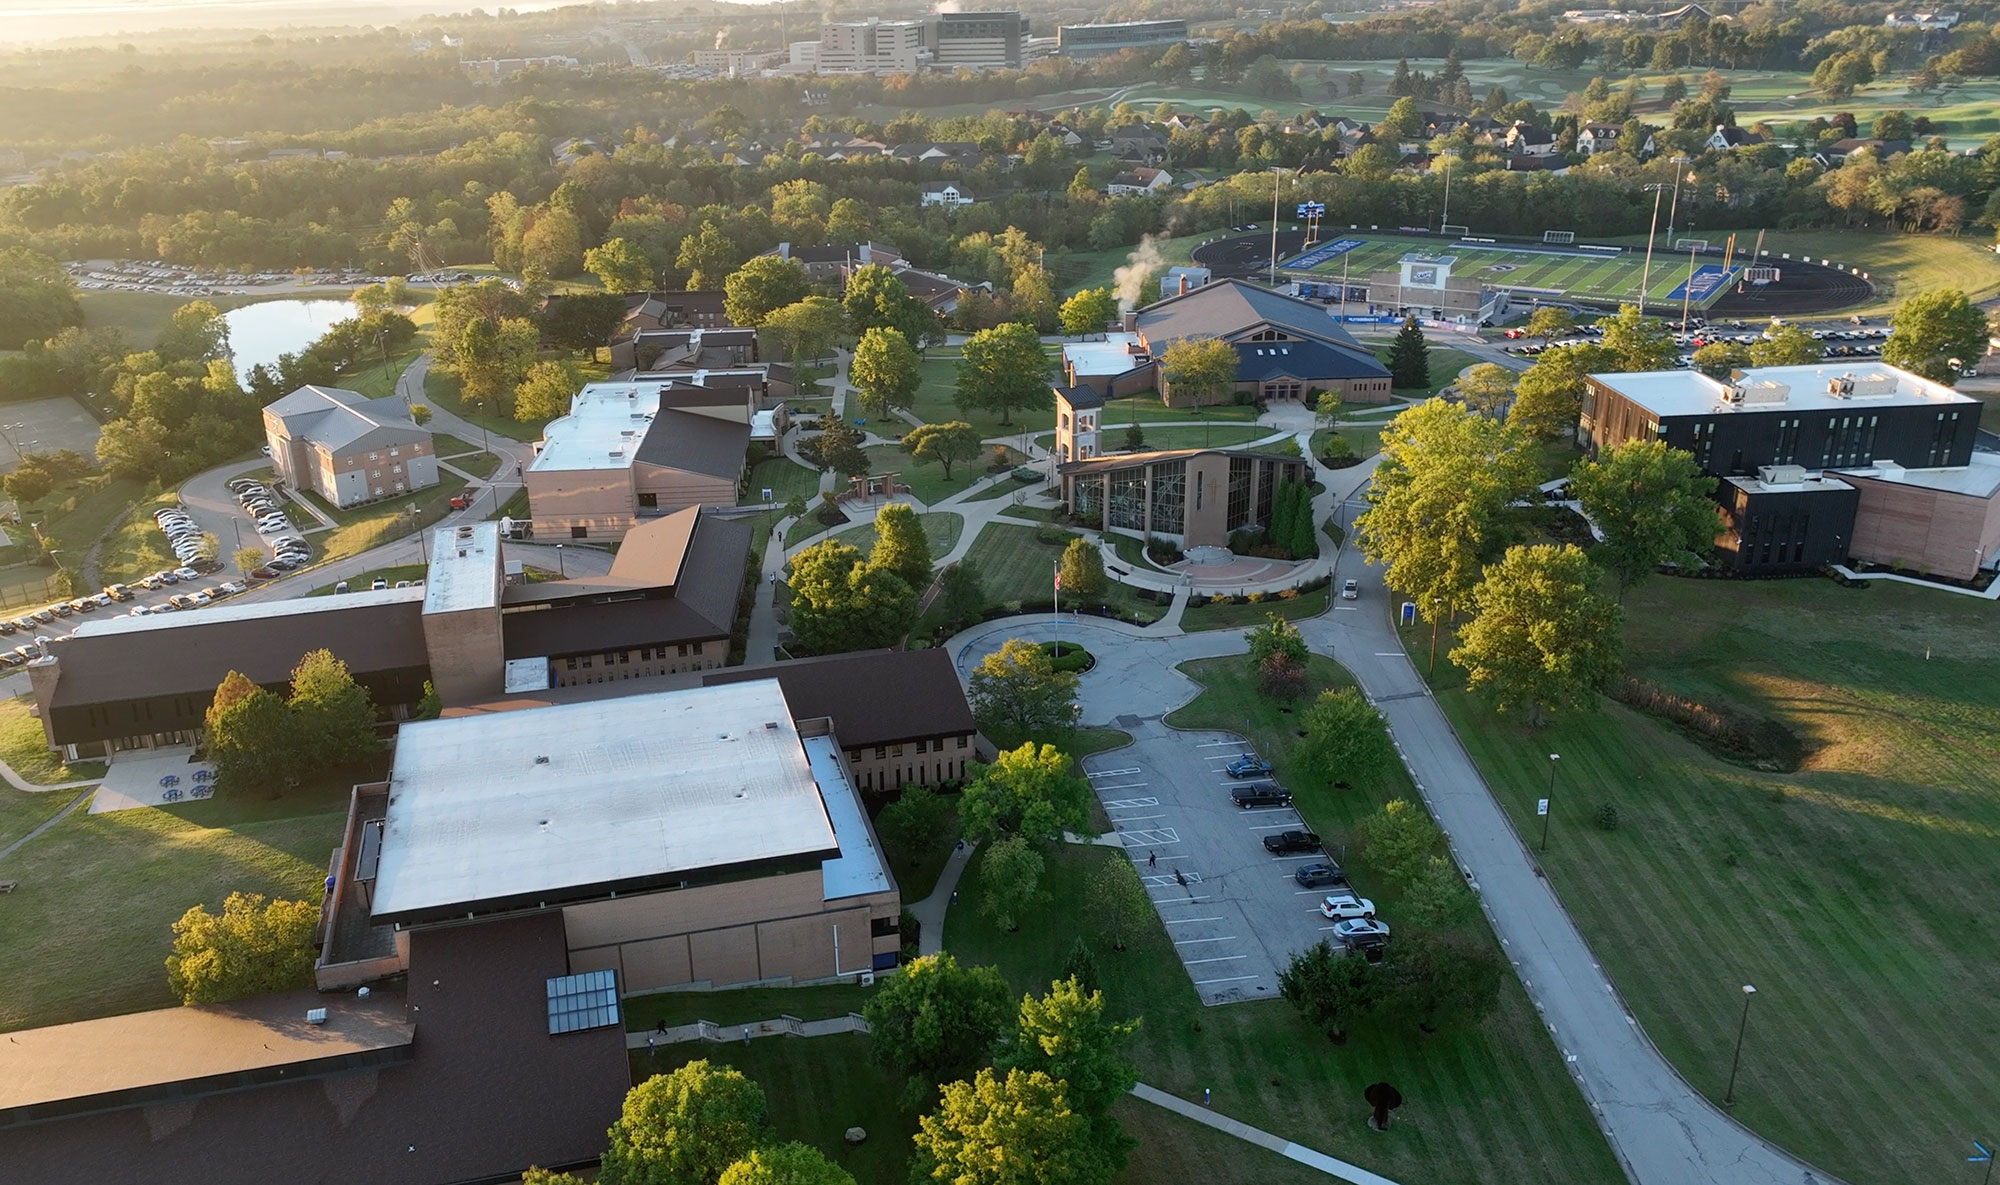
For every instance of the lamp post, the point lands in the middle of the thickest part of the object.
(1549, 803)
(1681, 161)
(1735, 1059)
(1652, 228)
(1437, 615)
(561, 571)
(1444, 218)
(7, 431)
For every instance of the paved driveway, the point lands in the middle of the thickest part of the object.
(1234, 912)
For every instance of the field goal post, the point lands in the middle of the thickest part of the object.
(1559, 238)
(1454, 228)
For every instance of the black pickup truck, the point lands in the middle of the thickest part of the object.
(1286, 842)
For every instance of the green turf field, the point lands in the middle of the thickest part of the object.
(1557, 272)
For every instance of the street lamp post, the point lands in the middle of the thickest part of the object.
(1549, 804)
(1437, 615)
(1444, 217)
(7, 431)
(1736, 1059)
(1652, 228)
(560, 569)
(1681, 161)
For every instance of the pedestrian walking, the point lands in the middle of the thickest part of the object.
(652, 1045)
(1152, 859)
(1180, 878)
(662, 1029)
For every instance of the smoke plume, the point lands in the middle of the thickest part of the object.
(1140, 267)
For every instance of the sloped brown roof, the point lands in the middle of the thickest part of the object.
(874, 697)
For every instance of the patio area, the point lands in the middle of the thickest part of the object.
(153, 777)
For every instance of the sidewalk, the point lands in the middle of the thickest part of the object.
(1263, 1139)
(931, 910)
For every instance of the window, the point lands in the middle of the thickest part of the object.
(899, 751)
(587, 661)
(881, 751)
(923, 746)
(1200, 480)
(571, 664)
(883, 927)
(580, 1002)
(649, 500)
(1063, 421)
(579, 532)
(624, 656)
(683, 650)
(378, 491)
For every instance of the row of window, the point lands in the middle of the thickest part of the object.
(624, 657)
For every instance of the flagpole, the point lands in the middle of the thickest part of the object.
(1056, 604)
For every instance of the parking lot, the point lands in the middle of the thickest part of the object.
(1233, 910)
(43, 426)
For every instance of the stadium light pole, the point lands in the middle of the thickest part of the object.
(1444, 219)
(1277, 184)
(1687, 289)
(1652, 228)
(1681, 161)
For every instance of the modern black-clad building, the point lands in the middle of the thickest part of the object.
(1818, 463)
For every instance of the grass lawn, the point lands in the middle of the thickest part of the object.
(941, 531)
(86, 932)
(448, 446)
(917, 871)
(26, 585)
(1002, 489)
(1076, 270)
(441, 390)
(1848, 892)
(1366, 441)
(937, 381)
(363, 527)
(363, 580)
(516, 505)
(817, 1088)
(1015, 567)
(1445, 363)
(23, 811)
(1488, 1105)
(1147, 409)
(1200, 615)
(1033, 514)
(784, 478)
(1186, 436)
(140, 316)
(377, 381)
(138, 547)
(22, 746)
(740, 1006)
(77, 513)
(926, 478)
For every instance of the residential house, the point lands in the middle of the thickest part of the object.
(1139, 181)
(346, 447)
(1524, 139)
(830, 263)
(1727, 136)
(1142, 142)
(950, 197)
(1836, 153)
(1594, 138)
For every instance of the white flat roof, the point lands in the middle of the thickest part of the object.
(464, 571)
(594, 435)
(561, 802)
(861, 867)
(1691, 393)
(1810, 485)
(1980, 479)
(243, 611)
(1111, 356)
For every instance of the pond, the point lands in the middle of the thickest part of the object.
(259, 332)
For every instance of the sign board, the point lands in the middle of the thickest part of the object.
(1541, 806)
(1409, 614)
(767, 493)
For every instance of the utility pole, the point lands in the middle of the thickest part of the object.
(1277, 182)
(1646, 273)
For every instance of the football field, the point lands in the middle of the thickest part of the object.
(1549, 273)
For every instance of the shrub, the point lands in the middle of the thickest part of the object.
(1162, 552)
(1730, 733)
(1288, 594)
(1280, 677)
(1607, 817)
(1053, 536)
(1255, 598)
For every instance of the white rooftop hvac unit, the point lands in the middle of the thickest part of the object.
(1781, 475)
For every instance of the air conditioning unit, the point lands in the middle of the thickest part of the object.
(867, 979)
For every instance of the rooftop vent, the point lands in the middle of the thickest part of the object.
(315, 1016)
(617, 453)
(541, 759)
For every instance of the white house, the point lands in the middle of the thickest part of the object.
(1603, 137)
(1139, 181)
(951, 197)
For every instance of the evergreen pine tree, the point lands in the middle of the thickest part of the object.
(1305, 542)
(1279, 532)
(1409, 357)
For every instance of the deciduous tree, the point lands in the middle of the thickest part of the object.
(37, 298)
(1004, 370)
(877, 298)
(763, 285)
(836, 447)
(1636, 342)
(1020, 1129)
(1438, 502)
(1653, 504)
(252, 947)
(916, 822)
(1065, 1034)
(546, 391)
(1010, 874)
(1017, 695)
(1718, 359)
(1440, 981)
(936, 1021)
(1549, 394)
(947, 443)
(1198, 372)
(1399, 838)
(900, 546)
(961, 593)
(1082, 569)
(785, 1164)
(1931, 329)
(1119, 900)
(250, 735)
(621, 266)
(1486, 387)
(1027, 791)
(1541, 638)
(1089, 311)
(1276, 637)
(883, 371)
(841, 604)
(1549, 321)
(806, 329)
(1331, 989)
(1437, 896)
(1345, 740)
(1785, 345)
(684, 1128)
(333, 720)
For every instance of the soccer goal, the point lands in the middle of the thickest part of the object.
(1454, 228)
(1692, 245)
(1559, 237)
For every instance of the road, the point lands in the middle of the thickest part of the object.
(1663, 1131)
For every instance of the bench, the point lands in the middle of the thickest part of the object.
(9, 886)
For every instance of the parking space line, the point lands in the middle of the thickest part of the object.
(1226, 979)
(1113, 773)
(1124, 786)
(1192, 941)
(1119, 804)
(1176, 900)
(1216, 959)
(1214, 744)
(1185, 921)
(1275, 827)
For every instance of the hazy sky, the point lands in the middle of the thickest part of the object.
(44, 20)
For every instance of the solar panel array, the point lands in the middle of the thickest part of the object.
(580, 1002)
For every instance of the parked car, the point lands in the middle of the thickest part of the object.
(1286, 842)
(1262, 794)
(63, 610)
(187, 572)
(1247, 766)
(232, 586)
(262, 573)
(1361, 934)
(1340, 906)
(139, 611)
(378, 585)
(45, 615)
(1319, 876)
(7, 627)
(1350, 591)
(181, 601)
(118, 592)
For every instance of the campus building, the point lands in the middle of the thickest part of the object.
(1422, 286)
(1196, 497)
(874, 46)
(1822, 463)
(346, 447)
(636, 450)
(1287, 349)
(1082, 41)
(979, 40)
(666, 607)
